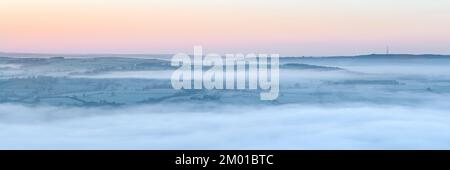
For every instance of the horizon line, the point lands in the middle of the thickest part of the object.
(153, 54)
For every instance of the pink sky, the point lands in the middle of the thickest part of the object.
(287, 27)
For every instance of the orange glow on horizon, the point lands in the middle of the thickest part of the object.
(158, 27)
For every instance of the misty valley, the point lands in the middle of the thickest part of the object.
(63, 101)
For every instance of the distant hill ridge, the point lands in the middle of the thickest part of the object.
(167, 56)
(384, 56)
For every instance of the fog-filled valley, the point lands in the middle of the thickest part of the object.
(361, 102)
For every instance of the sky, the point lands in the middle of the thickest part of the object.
(286, 27)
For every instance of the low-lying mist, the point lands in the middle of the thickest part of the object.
(190, 126)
